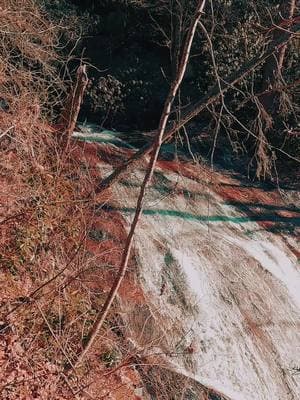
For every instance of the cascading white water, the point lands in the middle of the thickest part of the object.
(233, 295)
(223, 293)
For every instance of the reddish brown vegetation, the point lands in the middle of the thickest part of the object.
(50, 230)
(45, 227)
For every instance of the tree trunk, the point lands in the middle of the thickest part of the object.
(272, 69)
(69, 116)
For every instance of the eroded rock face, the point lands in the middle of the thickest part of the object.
(218, 265)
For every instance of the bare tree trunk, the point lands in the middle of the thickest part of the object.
(213, 95)
(177, 31)
(288, 12)
(272, 69)
(154, 155)
(69, 116)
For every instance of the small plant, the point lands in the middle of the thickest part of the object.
(110, 358)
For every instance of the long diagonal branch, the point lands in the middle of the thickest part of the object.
(150, 169)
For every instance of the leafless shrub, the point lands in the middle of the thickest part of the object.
(42, 219)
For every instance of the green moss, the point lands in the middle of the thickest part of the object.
(175, 278)
(110, 358)
(162, 184)
(169, 259)
(98, 235)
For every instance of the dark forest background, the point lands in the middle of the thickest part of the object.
(133, 46)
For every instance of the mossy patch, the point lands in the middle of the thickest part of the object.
(175, 279)
(162, 184)
(110, 357)
(98, 235)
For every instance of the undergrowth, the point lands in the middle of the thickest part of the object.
(57, 254)
(43, 219)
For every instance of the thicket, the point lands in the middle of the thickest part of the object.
(43, 221)
(136, 45)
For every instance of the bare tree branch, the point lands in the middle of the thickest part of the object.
(272, 68)
(151, 166)
(212, 96)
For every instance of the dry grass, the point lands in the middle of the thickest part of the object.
(42, 219)
(29, 59)
(47, 231)
(164, 384)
